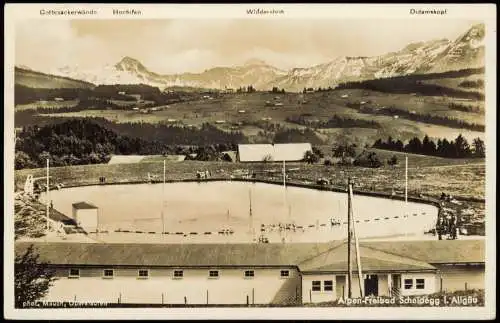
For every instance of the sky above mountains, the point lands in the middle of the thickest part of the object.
(178, 46)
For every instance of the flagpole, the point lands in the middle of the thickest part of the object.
(48, 197)
(349, 271)
(358, 255)
(250, 212)
(406, 192)
(283, 233)
(406, 180)
(163, 199)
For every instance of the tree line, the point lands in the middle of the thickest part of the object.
(246, 89)
(25, 95)
(334, 122)
(82, 141)
(425, 118)
(458, 148)
(464, 107)
(477, 84)
(415, 84)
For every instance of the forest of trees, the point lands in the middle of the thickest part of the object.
(458, 148)
(478, 84)
(334, 122)
(415, 84)
(425, 118)
(247, 89)
(276, 89)
(91, 141)
(25, 95)
(464, 107)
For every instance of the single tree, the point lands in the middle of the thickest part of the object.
(33, 278)
(393, 161)
(310, 157)
(479, 148)
(462, 147)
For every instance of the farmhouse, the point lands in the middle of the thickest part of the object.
(272, 152)
(274, 273)
(136, 96)
(86, 216)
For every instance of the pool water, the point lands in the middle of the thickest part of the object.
(191, 210)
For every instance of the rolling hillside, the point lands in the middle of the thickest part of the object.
(33, 79)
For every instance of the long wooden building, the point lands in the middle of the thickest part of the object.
(281, 274)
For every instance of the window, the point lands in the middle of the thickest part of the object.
(213, 274)
(420, 283)
(108, 273)
(316, 285)
(328, 285)
(408, 283)
(284, 273)
(143, 273)
(74, 273)
(178, 274)
(249, 273)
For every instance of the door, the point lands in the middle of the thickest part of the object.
(396, 285)
(340, 286)
(371, 285)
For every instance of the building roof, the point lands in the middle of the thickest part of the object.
(123, 254)
(232, 154)
(58, 216)
(126, 159)
(335, 260)
(276, 152)
(436, 252)
(84, 205)
(309, 257)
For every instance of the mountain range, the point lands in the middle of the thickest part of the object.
(467, 51)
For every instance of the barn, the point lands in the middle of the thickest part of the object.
(85, 216)
(272, 152)
(274, 273)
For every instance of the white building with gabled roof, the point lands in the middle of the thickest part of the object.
(85, 216)
(272, 152)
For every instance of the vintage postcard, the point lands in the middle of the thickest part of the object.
(275, 161)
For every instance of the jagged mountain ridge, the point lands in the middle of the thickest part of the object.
(467, 51)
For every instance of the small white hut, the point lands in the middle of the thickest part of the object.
(85, 216)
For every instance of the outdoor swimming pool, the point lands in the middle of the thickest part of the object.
(192, 209)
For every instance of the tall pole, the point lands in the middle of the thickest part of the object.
(358, 255)
(285, 202)
(250, 210)
(406, 181)
(406, 192)
(250, 200)
(349, 271)
(48, 198)
(284, 175)
(163, 199)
